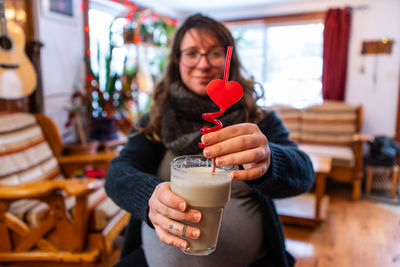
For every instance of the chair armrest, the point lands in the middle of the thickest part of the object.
(87, 158)
(362, 137)
(78, 187)
(72, 186)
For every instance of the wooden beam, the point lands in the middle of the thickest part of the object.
(35, 235)
(62, 256)
(114, 228)
(20, 228)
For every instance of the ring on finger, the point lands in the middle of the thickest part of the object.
(184, 230)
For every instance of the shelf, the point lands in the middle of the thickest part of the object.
(147, 45)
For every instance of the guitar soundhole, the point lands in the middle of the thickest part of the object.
(5, 43)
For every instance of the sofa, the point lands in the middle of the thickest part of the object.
(331, 129)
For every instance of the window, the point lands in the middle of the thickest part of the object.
(125, 68)
(285, 57)
(101, 16)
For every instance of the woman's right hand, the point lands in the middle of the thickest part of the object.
(166, 209)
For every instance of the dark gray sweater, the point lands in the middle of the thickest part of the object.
(131, 181)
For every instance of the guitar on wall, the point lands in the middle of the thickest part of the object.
(17, 75)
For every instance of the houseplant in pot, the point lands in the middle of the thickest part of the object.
(110, 105)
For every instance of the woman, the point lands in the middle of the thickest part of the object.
(270, 164)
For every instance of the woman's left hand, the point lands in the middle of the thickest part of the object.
(239, 144)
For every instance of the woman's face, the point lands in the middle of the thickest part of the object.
(197, 76)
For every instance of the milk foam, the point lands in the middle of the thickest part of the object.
(200, 188)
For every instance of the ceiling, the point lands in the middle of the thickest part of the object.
(180, 8)
(206, 5)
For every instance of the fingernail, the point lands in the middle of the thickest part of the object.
(219, 161)
(182, 206)
(197, 217)
(207, 152)
(183, 245)
(233, 175)
(196, 233)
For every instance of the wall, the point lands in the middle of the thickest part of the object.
(61, 58)
(380, 96)
(372, 20)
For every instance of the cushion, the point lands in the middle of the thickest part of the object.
(329, 123)
(25, 156)
(341, 155)
(291, 119)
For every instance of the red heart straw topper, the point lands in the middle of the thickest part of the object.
(224, 94)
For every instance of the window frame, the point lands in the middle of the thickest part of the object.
(280, 19)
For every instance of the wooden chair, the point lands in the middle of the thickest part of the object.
(332, 129)
(45, 219)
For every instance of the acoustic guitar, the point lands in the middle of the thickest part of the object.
(17, 75)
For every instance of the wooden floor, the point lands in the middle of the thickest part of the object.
(356, 233)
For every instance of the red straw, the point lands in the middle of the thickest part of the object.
(227, 63)
(211, 116)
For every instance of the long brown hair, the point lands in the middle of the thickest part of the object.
(252, 112)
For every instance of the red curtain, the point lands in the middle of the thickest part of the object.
(336, 45)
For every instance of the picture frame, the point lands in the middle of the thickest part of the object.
(64, 10)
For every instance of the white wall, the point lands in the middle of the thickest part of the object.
(374, 20)
(380, 97)
(61, 58)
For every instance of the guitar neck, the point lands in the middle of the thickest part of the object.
(3, 20)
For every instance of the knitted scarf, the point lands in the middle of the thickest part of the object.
(181, 120)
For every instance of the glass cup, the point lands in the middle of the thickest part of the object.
(191, 179)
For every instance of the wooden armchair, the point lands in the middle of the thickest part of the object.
(332, 129)
(45, 219)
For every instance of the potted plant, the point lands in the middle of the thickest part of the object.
(148, 27)
(111, 104)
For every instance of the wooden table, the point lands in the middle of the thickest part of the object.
(308, 209)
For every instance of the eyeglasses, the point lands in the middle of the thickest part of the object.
(191, 57)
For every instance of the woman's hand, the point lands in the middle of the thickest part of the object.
(239, 144)
(166, 209)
